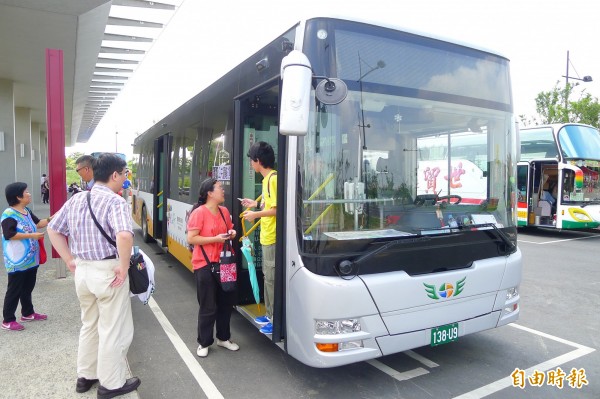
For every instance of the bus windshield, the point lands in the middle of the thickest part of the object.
(420, 144)
(579, 142)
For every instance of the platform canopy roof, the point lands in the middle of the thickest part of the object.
(100, 53)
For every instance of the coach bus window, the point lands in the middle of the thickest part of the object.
(181, 166)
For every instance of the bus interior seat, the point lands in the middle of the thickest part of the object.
(546, 208)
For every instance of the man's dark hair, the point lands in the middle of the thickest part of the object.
(14, 190)
(263, 153)
(87, 160)
(105, 165)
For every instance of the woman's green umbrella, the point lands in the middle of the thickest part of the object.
(247, 251)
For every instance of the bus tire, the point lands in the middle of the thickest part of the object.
(145, 236)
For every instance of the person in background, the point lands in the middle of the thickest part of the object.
(85, 170)
(550, 194)
(101, 279)
(126, 186)
(262, 160)
(209, 226)
(43, 180)
(45, 189)
(21, 255)
(74, 188)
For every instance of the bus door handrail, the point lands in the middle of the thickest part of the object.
(161, 204)
(254, 226)
(326, 210)
(331, 202)
(320, 188)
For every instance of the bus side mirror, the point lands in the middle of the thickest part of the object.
(296, 76)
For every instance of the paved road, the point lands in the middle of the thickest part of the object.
(559, 327)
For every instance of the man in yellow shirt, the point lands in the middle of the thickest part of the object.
(262, 159)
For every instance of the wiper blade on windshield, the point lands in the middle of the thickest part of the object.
(387, 245)
(592, 202)
(492, 226)
(499, 232)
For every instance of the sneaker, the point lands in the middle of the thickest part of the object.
(34, 317)
(202, 352)
(268, 329)
(262, 320)
(12, 326)
(232, 346)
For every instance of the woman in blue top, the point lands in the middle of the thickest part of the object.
(21, 255)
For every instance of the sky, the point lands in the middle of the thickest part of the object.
(202, 41)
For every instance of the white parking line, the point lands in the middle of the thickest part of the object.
(544, 366)
(555, 241)
(422, 359)
(407, 375)
(188, 358)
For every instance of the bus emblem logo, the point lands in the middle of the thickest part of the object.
(446, 290)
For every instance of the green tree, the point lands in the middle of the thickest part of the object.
(557, 106)
(71, 160)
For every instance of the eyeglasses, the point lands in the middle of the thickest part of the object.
(83, 167)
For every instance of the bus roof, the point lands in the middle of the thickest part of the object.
(312, 14)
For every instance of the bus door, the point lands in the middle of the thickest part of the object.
(160, 191)
(256, 120)
(525, 204)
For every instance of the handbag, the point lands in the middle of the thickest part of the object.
(225, 271)
(43, 255)
(138, 274)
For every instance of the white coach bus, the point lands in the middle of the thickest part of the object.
(368, 264)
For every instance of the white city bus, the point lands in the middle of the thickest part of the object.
(368, 265)
(557, 177)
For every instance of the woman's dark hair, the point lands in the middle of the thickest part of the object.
(207, 186)
(14, 190)
(105, 165)
(263, 153)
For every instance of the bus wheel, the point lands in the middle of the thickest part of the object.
(145, 235)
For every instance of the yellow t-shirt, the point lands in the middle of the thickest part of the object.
(269, 200)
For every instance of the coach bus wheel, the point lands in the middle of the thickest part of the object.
(145, 235)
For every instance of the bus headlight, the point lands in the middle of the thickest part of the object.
(511, 293)
(512, 303)
(334, 327)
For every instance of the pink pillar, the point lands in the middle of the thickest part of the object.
(55, 119)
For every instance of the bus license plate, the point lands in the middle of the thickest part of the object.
(444, 334)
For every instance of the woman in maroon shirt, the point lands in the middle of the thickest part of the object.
(210, 226)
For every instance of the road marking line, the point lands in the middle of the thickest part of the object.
(429, 363)
(188, 358)
(407, 375)
(555, 241)
(552, 337)
(506, 382)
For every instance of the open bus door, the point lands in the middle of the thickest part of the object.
(160, 191)
(534, 178)
(256, 120)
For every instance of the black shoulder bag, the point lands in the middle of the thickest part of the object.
(224, 271)
(138, 275)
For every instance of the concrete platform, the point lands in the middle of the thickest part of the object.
(41, 361)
